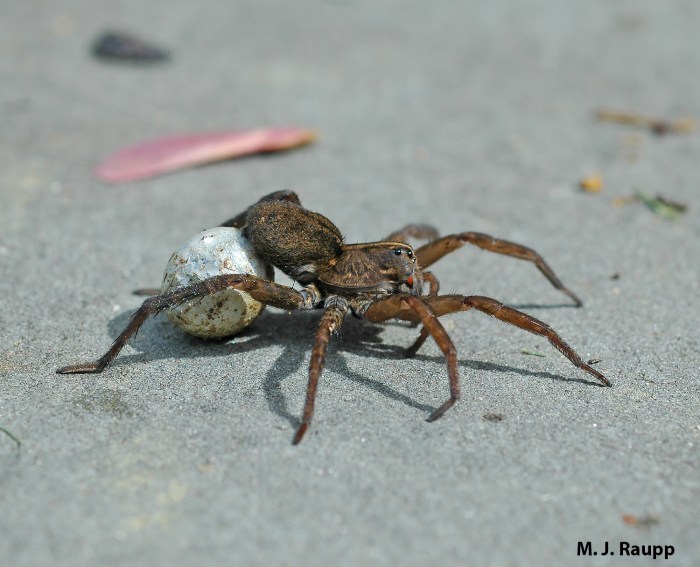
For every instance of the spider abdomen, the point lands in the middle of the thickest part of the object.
(295, 240)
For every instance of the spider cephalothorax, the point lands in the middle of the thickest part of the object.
(376, 281)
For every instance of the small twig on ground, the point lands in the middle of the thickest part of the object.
(11, 436)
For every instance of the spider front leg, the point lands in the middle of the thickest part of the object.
(445, 304)
(433, 251)
(330, 322)
(427, 310)
(264, 291)
(416, 309)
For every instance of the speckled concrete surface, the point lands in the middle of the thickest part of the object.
(469, 116)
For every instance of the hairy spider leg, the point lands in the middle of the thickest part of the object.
(433, 251)
(330, 322)
(418, 309)
(146, 291)
(445, 304)
(434, 283)
(264, 291)
(400, 307)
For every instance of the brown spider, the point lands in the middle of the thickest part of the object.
(376, 281)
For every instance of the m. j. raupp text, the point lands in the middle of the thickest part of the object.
(626, 548)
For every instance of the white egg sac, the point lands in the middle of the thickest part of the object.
(221, 250)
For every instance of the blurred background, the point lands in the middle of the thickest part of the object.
(466, 115)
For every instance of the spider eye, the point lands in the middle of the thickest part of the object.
(398, 251)
(409, 253)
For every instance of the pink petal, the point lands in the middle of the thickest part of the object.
(176, 152)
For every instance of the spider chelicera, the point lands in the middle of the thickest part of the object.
(376, 281)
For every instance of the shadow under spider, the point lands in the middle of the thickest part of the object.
(295, 334)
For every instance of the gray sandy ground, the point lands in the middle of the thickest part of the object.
(466, 115)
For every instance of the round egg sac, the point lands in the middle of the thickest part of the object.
(221, 250)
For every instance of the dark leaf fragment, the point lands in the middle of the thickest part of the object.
(126, 47)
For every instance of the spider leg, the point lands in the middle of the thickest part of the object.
(428, 309)
(453, 303)
(330, 322)
(419, 231)
(433, 281)
(415, 347)
(417, 309)
(433, 251)
(146, 291)
(265, 291)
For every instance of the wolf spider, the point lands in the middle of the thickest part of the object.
(376, 281)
